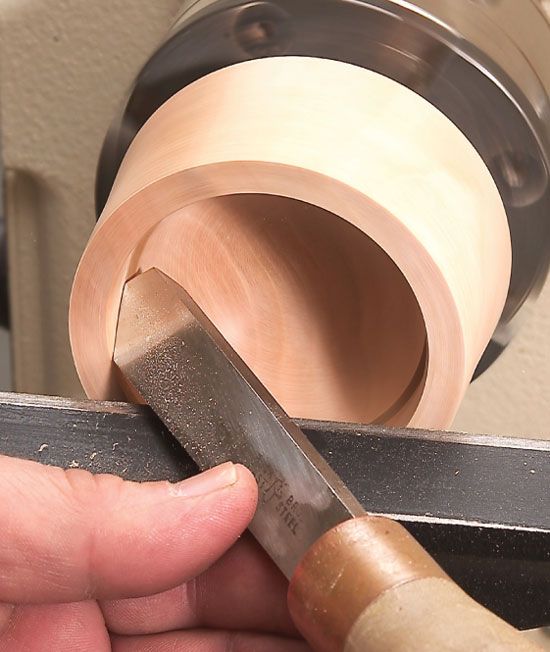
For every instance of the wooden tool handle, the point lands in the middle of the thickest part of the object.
(368, 586)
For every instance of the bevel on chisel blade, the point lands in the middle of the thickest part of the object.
(181, 365)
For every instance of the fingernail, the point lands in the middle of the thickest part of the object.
(214, 479)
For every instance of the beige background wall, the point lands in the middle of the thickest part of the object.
(65, 65)
(513, 396)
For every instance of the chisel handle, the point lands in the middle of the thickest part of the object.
(368, 586)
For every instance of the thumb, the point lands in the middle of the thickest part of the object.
(70, 535)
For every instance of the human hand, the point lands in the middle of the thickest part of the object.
(93, 563)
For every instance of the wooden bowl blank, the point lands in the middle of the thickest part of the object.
(343, 235)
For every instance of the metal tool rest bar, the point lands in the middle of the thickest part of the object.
(479, 504)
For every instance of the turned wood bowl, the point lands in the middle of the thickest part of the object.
(342, 233)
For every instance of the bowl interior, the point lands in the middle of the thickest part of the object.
(316, 309)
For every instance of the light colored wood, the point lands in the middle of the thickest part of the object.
(328, 220)
(432, 615)
(368, 586)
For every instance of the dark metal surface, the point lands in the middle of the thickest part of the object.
(472, 501)
(213, 404)
(474, 61)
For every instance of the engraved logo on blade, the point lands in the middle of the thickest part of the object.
(274, 492)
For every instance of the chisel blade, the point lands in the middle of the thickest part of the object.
(180, 364)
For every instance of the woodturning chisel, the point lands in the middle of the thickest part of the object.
(357, 582)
